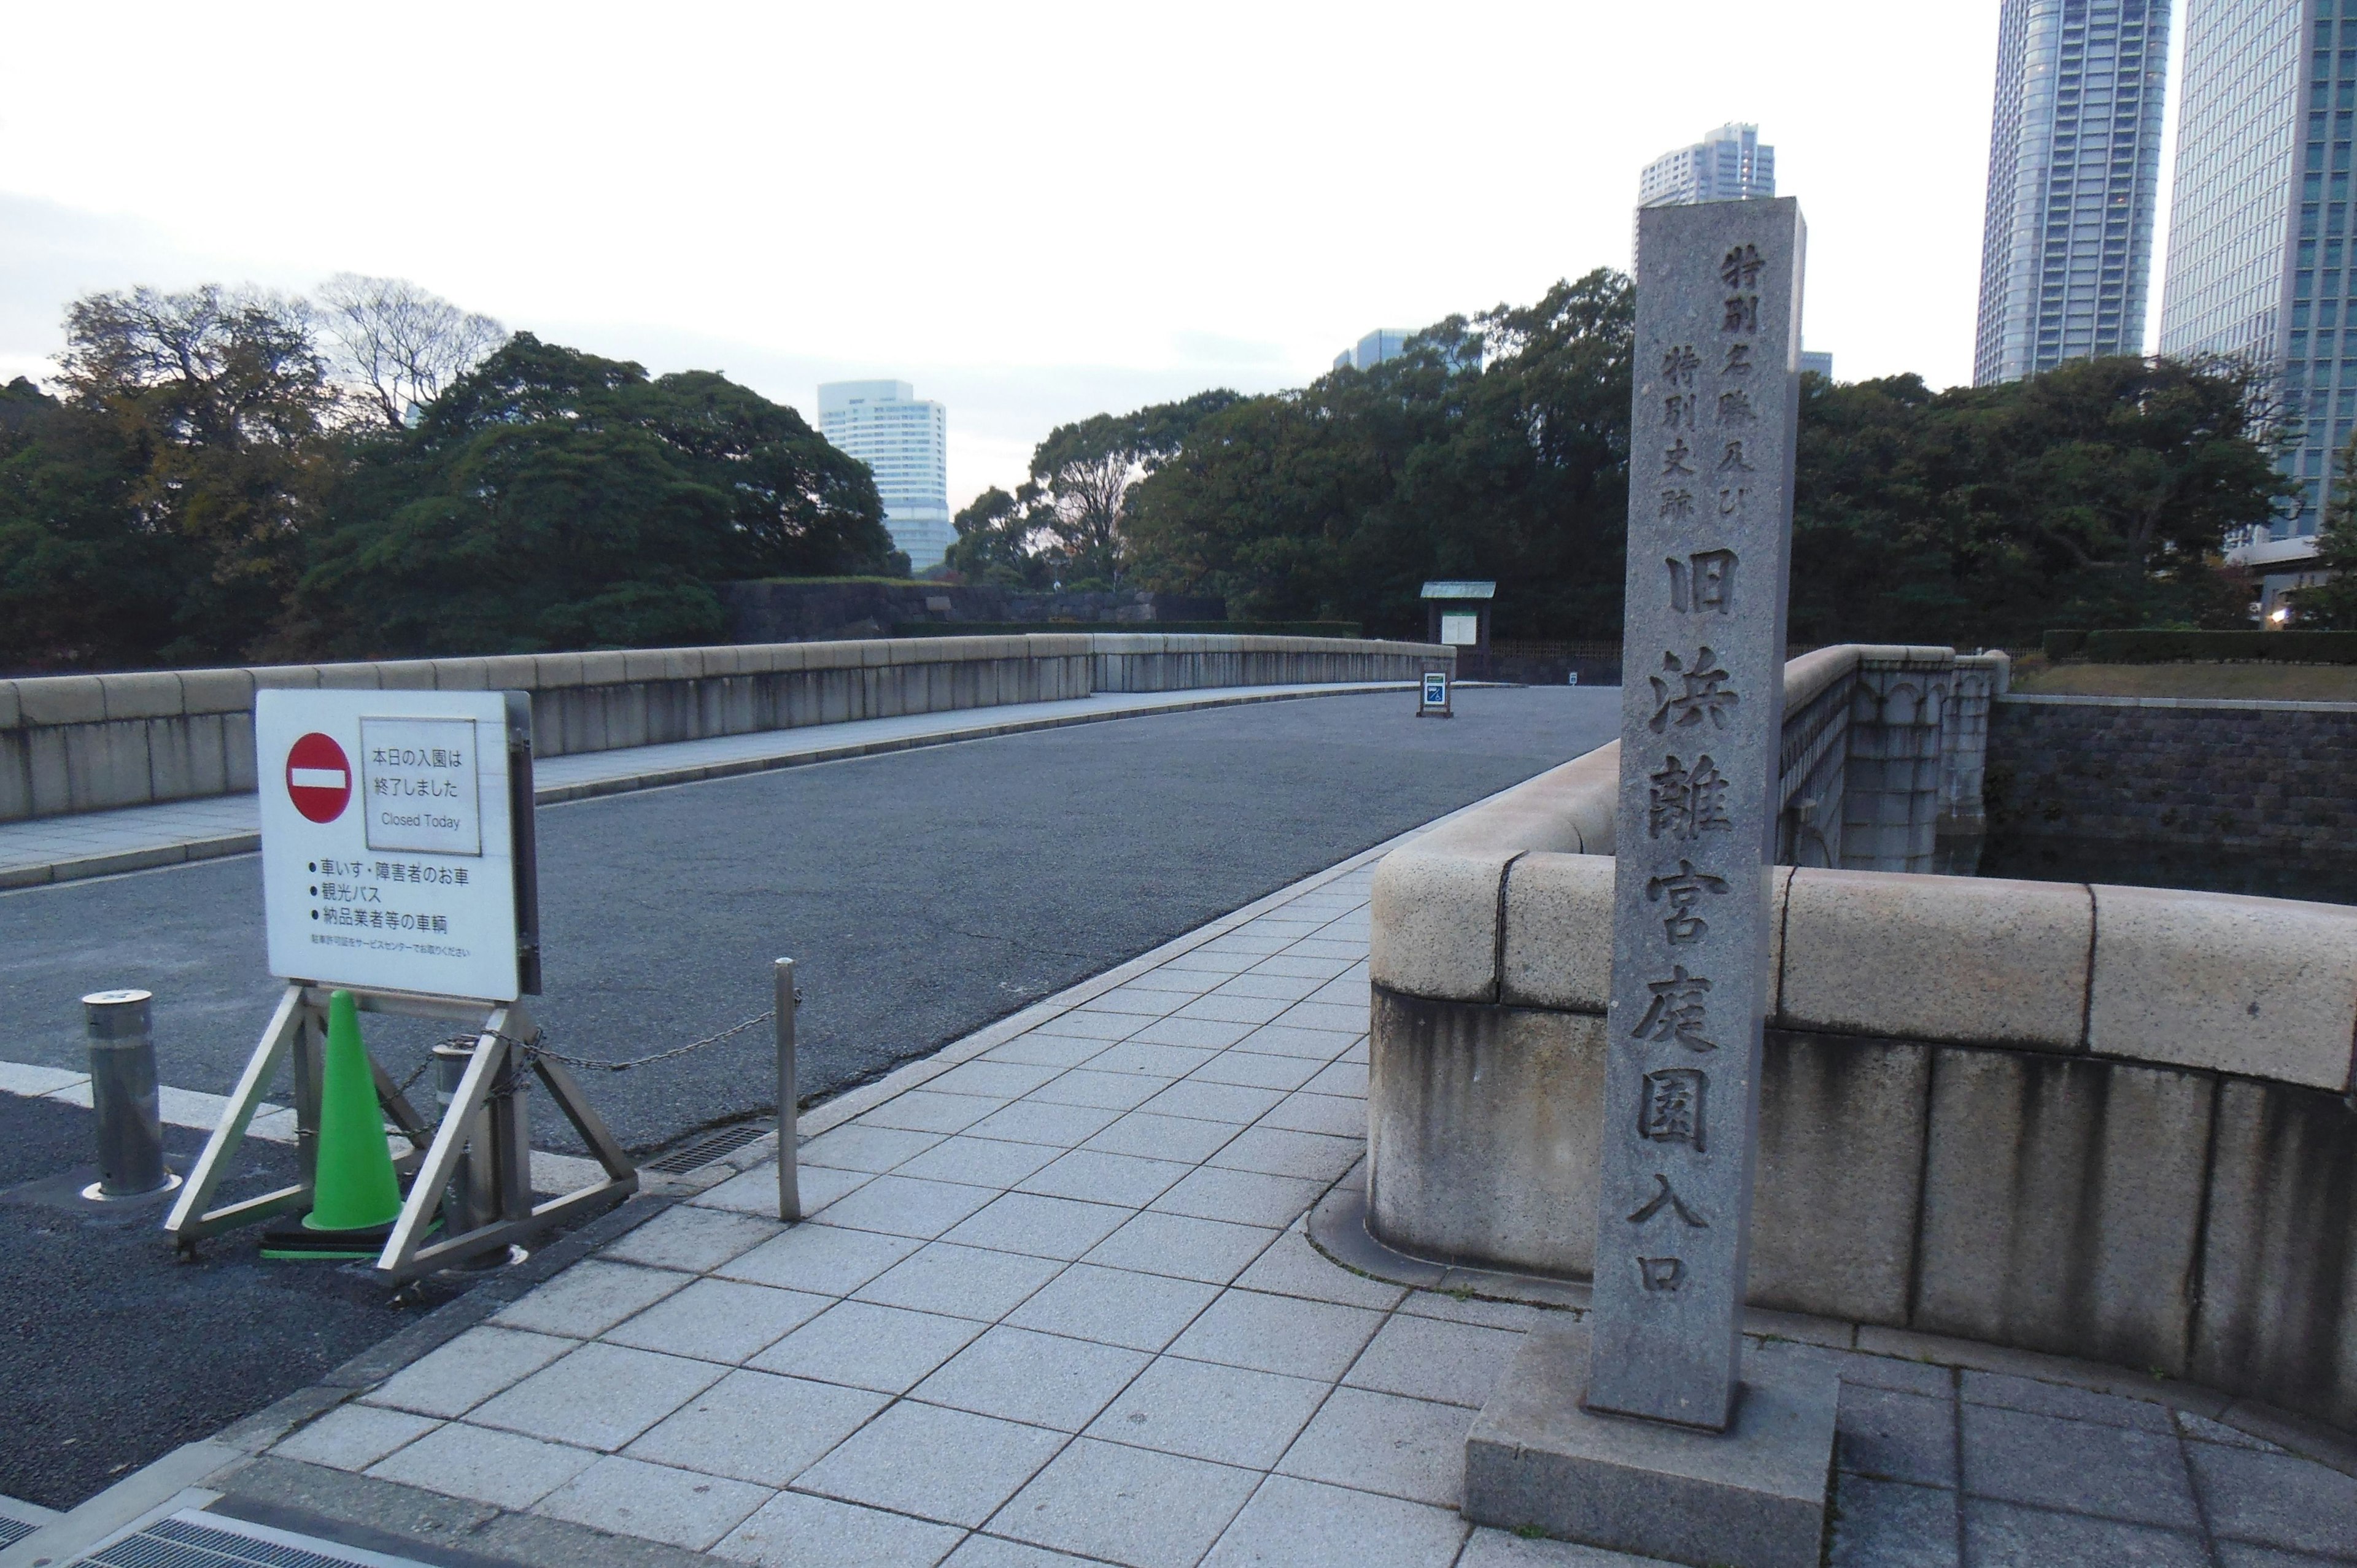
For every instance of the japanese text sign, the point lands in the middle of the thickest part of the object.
(1710, 499)
(393, 858)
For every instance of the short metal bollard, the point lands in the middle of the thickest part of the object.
(789, 1195)
(120, 1029)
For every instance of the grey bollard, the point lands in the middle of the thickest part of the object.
(790, 1195)
(119, 1027)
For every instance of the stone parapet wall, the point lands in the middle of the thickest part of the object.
(2194, 1224)
(1163, 661)
(82, 742)
(2111, 1123)
(2227, 774)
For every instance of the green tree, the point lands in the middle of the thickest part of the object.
(1082, 475)
(82, 582)
(2331, 605)
(2093, 495)
(1003, 539)
(224, 404)
(396, 345)
(553, 499)
(1494, 448)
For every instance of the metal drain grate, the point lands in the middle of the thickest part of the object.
(697, 1152)
(193, 1540)
(13, 1530)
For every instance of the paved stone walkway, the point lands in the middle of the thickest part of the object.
(102, 843)
(1057, 1300)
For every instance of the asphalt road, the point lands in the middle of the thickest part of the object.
(922, 894)
(112, 1352)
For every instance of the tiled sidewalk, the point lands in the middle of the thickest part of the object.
(102, 843)
(1058, 1302)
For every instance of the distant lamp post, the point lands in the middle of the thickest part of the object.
(1457, 615)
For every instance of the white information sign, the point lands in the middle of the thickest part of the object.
(388, 861)
(1460, 629)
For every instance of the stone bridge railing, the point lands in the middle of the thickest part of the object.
(86, 743)
(2110, 1122)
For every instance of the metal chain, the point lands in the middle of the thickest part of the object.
(533, 1047)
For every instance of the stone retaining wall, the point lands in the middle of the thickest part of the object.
(2189, 772)
(82, 742)
(800, 611)
(2099, 1121)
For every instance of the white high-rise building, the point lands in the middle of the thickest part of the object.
(905, 440)
(1730, 164)
(2074, 172)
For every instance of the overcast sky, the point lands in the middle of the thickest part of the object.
(1033, 211)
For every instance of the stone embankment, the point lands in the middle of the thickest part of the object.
(2177, 771)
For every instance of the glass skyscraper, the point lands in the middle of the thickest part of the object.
(905, 442)
(2258, 229)
(2074, 170)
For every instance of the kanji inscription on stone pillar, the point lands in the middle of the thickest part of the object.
(1710, 522)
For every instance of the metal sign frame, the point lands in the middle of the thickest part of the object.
(1425, 708)
(483, 1140)
(485, 1132)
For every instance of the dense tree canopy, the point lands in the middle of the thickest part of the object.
(551, 499)
(2331, 605)
(1496, 448)
(2095, 495)
(225, 475)
(82, 580)
(1067, 523)
(191, 449)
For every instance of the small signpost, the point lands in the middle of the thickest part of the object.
(1432, 703)
(398, 863)
(1721, 1463)
(1457, 615)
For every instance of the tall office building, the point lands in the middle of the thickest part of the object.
(1730, 164)
(1382, 343)
(2074, 169)
(2258, 228)
(905, 441)
(1386, 343)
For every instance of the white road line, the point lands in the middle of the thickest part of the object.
(274, 1123)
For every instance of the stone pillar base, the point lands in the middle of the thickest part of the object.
(1753, 1497)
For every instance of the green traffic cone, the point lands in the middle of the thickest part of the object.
(356, 1187)
(355, 1197)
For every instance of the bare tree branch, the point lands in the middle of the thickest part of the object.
(397, 345)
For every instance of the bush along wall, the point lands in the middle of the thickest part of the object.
(2203, 646)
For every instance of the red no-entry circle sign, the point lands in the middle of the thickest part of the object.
(318, 777)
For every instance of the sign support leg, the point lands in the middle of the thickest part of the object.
(486, 1098)
(190, 1218)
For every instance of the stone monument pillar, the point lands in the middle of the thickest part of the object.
(1702, 714)
(1653, 1436)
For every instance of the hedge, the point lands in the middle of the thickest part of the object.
(2203, 646)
